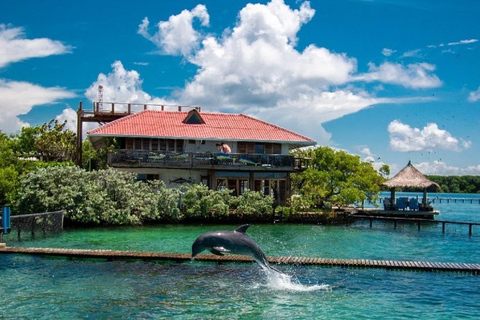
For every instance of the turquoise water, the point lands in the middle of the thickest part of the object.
(56, 288)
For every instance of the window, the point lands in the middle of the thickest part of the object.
(179, 147)
(129, 143)
(171, 145)
(154, 144)
(138, 144)
(145, 144)
(259, 148)
(273, 148)
(246, 147)
(163, 145)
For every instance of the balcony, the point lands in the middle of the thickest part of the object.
(190, 160)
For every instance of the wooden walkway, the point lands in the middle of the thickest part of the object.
(182, 257)
(418, 221)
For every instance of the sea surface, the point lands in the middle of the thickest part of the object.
(34, 287)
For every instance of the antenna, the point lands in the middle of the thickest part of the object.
(100, 98)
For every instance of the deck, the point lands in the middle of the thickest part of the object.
(187, 160)
(472, 268)
(398, 213)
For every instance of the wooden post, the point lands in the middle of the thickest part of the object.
(443, 227)
(392, 199)
(470, 226)
(80, 114)
(34, 223)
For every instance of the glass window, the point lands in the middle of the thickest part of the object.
(145, 144)
(163, 145)
(154, 144)
(259, 148)
(138, 144)
(129, 144)
(179, 145)
(171, 145)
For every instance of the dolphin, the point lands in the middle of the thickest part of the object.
(230, 242)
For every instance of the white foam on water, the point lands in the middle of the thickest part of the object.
(280, 281)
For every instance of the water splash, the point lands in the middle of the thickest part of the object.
(279, 281)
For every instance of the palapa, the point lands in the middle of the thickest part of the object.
(410, 177)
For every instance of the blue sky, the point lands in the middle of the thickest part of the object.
(390, 81)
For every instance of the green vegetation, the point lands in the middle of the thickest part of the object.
(335, 178)
(38, 147)
(116, 198)
(457, 184)
(37, 174)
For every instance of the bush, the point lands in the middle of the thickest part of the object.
(117, 198)
(253, 204)
(201, 202)
(98, 197)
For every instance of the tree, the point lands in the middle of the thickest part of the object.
(336, 177)
(55, 143)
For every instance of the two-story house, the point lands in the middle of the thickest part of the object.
(184, 147)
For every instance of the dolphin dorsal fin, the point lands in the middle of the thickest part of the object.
(242, 229)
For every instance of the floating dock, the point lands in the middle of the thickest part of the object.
(110, 255)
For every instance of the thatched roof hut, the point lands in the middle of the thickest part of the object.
(410, 177)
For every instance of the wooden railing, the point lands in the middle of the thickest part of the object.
(161, 159)
(129, 107)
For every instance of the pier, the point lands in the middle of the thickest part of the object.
(418, 221)
(110, 255)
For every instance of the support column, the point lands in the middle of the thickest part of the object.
(80, 114)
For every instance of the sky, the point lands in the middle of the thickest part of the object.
(387, 80)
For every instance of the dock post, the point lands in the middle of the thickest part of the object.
(395, 224)
(443, 226)
(371, 222)
(470, 226)
(418, 225)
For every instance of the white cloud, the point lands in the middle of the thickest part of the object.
(246, 69)
(388, 52)
(11, 106)
(14, 47)
(463, 42)
(70, 116)
(441, 168)
(415, 75)
(366, 151)
(474, 95)
(412, 54)
(177, 36)
(256, 68)
(404, 138)
(122, 85)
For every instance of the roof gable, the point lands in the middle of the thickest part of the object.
(193, 117)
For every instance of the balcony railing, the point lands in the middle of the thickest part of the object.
(160, 159)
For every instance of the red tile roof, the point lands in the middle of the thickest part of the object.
(217, 126)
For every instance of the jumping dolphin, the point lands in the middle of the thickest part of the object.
(230, 242)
